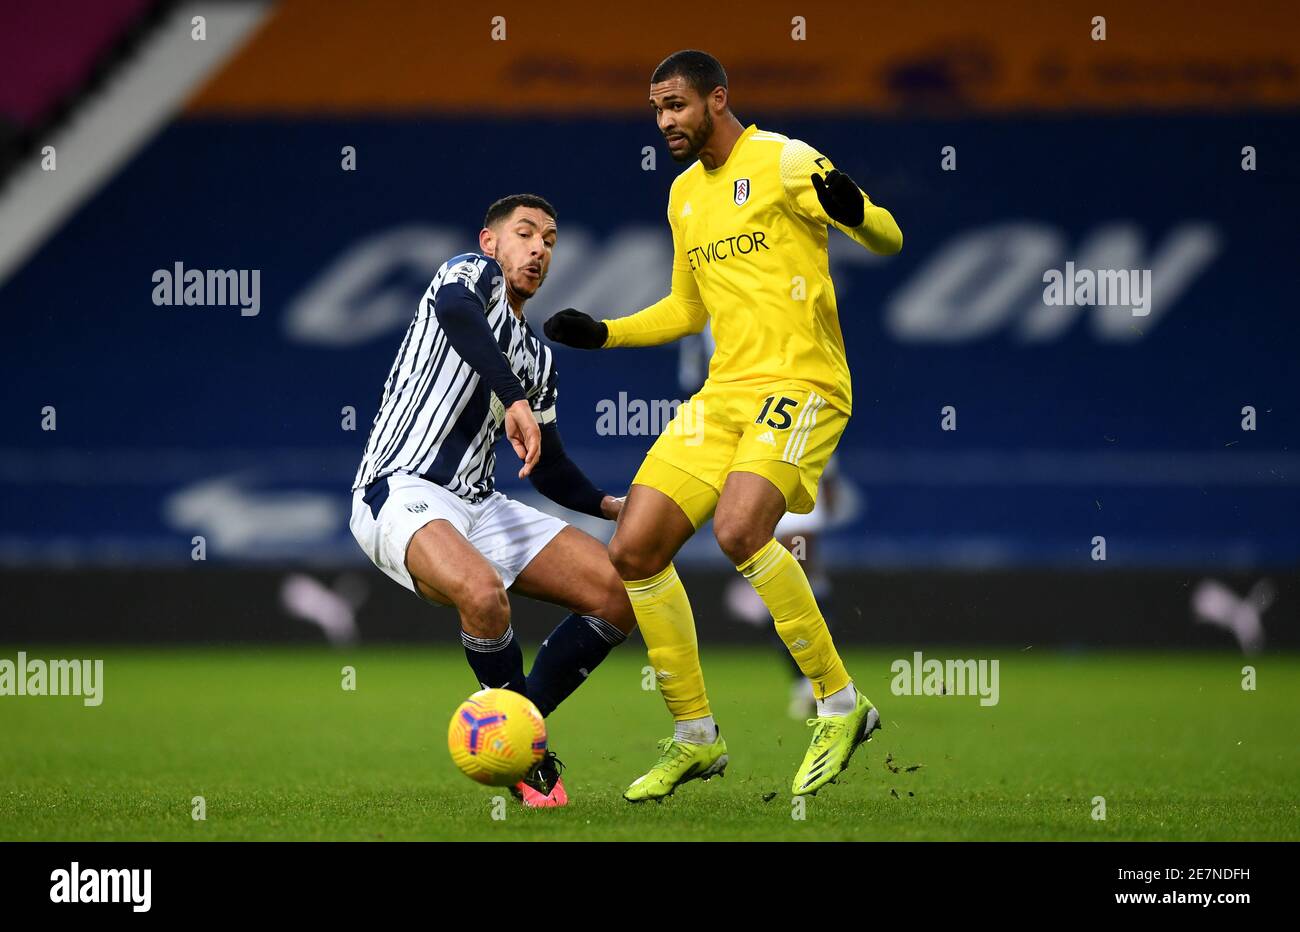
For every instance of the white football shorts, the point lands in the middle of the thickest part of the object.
(507, 533)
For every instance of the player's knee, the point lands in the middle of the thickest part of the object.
(738, 538)
(633, 561)
(484, 608)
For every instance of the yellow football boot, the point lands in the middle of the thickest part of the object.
(834, 740)
(678, 762)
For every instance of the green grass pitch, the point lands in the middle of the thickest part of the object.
(280, 751)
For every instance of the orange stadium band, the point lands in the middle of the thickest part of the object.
(1024, 55)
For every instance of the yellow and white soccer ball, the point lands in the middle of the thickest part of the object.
(496, 736)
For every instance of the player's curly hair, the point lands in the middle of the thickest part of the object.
(503, 208)
(700, 69)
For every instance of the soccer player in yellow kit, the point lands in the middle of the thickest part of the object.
(749, 221)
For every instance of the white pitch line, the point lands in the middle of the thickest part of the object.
(116, 122)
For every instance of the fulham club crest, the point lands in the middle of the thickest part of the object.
(741, 191)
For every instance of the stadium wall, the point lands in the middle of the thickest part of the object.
(1205, 609)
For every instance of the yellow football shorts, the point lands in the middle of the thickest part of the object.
(785, 432)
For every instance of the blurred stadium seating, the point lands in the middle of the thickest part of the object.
(1072, 422)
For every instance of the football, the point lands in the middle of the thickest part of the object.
(495, 736)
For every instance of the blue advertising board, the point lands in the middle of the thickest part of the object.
(995, 423)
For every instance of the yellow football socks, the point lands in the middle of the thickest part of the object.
(781, 583)
(663, 613)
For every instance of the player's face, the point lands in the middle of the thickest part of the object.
(683, 116)
(522, 245)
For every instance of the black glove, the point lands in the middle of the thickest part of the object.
(840, 198)
(574, 328)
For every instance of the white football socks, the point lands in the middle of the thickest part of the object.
(696, 730)
(838, 703)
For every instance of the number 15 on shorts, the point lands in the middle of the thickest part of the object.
(776, 412)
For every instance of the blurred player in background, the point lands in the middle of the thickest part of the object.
(748, 220)
(424, 505)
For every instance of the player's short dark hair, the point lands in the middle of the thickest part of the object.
(503, 208)
(700, 69)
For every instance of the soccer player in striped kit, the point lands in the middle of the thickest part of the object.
(425, 509)
(749, 221)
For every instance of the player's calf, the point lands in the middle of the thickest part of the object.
(578, 645)
(572, 570)
(490, 646)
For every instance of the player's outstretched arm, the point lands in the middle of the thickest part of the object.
(823, 193)
(662, 322)
(679, 314)
(460, 314)
(563, 482)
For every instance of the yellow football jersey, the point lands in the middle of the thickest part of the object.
(749, 253)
